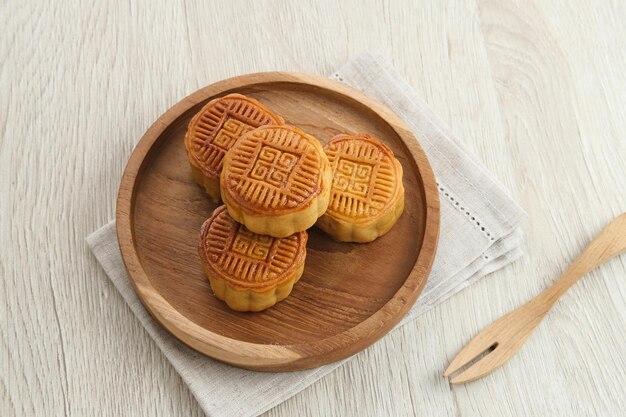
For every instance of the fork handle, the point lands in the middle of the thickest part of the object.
(610, 242)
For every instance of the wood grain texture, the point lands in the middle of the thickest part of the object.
(329, 315)
(535, 89)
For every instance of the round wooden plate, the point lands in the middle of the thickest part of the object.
(350, 294)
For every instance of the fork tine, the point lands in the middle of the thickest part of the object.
(487, 364)
(477, 370)
(479, 344)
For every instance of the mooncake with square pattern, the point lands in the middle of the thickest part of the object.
(367, 195)
(276, 180)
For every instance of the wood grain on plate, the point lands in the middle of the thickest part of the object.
(350, 294)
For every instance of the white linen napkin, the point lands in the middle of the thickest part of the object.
(479, 234)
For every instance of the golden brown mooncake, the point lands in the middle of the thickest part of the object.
(276, 180)
(367, 195)
(250, 272)
(215, 128)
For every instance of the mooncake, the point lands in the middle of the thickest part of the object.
(214, 130)
(250, 272)
(367, 195)
(276, 180)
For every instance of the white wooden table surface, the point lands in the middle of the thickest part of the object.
(537, 90)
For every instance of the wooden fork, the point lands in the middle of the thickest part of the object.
(503, 338)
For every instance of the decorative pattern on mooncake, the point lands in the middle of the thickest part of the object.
(276, 180)
(367, 195)
(250, 272)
